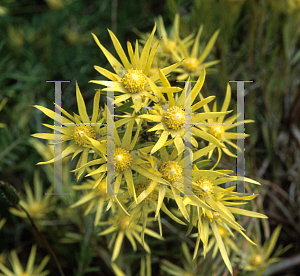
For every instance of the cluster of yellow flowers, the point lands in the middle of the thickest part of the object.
(149, 174)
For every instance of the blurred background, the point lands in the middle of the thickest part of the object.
(258, 41)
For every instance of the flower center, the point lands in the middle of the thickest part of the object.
(174, 118)
(34, 209)
(101, 187)
(222, 231)
(79, 134)
(171, 171)
(168, 46)
(191, 64)
(134, 81)
(24, 274)
(124, 223)
(256, 260)
(217, 131)
(123, 159)
(212, 216)
(206, 186)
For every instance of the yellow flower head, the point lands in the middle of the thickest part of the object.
(195, 56)
(30, 270)
(132, 78)
(171, 115)
(82, 130)
(218, 127)
(37, 204)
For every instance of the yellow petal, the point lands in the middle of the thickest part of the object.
(119, 50)
(117, 246)
(117, 270)
(152, 118)
(179, 144)
(81, 106)
(107, 74)
(206, 136)
(151, 57)
(161, 141)
(130, 185)
(195, 48)
(127, 136)
(145, 52)
(209, 46)
(148, 174)
(53, 115)
(179, 202)
(202, 103)
(161, 196)
(165, 70)
(116, 65)
(246, 212)
(166, 211)
(225, 103)
(69, 150)
(221, 245)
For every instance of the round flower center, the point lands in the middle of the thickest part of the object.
(134, 81)
(123, 159)
(168, 46)
(191, 64)
(24, 274)
(256, 260)
(206, 186)
(101, 187)
(79, 134)
(34, 209)
(124, 223)
(174, 118)
(222, 231)
(217, 131)
(171, 171)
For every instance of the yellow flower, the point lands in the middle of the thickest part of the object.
(194, 58)
(171, 168)
(171, 116)
(123, 225)
(78, 129)
(132, 80)
(30, 270)
(227, 237)
(259, 258)
(37, 204)
(126, 160)
(218, 126)
(96, 198)
(205, 187)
